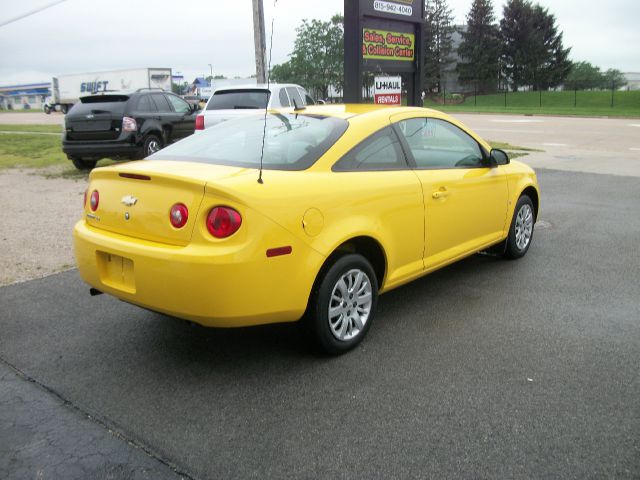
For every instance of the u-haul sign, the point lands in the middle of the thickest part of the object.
(387, 90)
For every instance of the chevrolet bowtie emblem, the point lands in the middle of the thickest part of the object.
(129, 200)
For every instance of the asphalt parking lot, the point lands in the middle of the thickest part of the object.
(486, 369)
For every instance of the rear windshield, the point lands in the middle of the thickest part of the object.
(101, 103)
(239, 99)
(291, 142)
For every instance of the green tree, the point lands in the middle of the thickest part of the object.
(533, 54)
(317, 58)
(179, 88)
(479, 50)
(438, 44)
(584, 76)
(613, 78)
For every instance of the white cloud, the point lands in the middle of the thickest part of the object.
(82, 35)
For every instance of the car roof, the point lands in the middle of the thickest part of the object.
(370, 111)
(258, 86)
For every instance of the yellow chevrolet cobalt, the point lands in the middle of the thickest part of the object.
(305, 215)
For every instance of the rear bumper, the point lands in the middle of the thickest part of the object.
(212, 286)
(127, 147)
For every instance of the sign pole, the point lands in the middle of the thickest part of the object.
(352, 53)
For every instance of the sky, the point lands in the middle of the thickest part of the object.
(78, 36)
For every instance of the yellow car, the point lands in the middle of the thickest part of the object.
(307, 214)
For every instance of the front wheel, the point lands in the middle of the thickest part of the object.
(521, 230)
(343, 305)
(47, 109)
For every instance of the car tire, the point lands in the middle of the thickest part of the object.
(152, 144)
(47, 109)
(63, 109)
(343, 305)
(521, 229)
(81, 164)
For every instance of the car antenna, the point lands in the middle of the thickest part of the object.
(264, 126)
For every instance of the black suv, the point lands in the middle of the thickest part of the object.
(125, 126)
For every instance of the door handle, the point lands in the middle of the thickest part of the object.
(442, 193)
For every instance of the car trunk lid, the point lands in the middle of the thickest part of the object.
(135, 198)
(97, 117)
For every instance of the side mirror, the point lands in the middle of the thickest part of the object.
(499, 157)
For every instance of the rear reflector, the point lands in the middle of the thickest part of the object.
(200, 122)
(135, 176)
(276, 252)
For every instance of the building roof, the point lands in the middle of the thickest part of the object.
(26, 86)
(200, 82)
(27, 89)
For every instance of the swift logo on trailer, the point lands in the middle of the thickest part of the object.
(387, 90)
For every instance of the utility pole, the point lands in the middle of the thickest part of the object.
(259, 41)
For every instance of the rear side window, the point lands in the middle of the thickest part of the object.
(145, 105)
(380, 151)
(161, 103)
(309, 100)
(284, 100)
(179, 105)
(239, 99)
(295, 95)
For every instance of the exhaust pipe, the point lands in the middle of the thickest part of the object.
(94, 291)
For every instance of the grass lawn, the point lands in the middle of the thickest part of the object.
(597, 103)
(31, 128)
(36, 150)
(23, 110)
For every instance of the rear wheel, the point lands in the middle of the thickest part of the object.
(521, 230)
(152, 144)
(63, 108)
(343, 305)
(81, 164)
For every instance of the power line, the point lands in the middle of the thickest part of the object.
(31, 12)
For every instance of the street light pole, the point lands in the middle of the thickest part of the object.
(211, 69)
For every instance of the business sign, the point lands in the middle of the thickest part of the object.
(384, 37)
(387, 90)
(403, 10)
(384, 45)
(394, 8)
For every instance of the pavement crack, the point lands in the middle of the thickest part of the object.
(111, 428)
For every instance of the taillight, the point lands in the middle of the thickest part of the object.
(129, 124)
(200, 122)
(179, 215)
(223, 222)
(95, 200)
